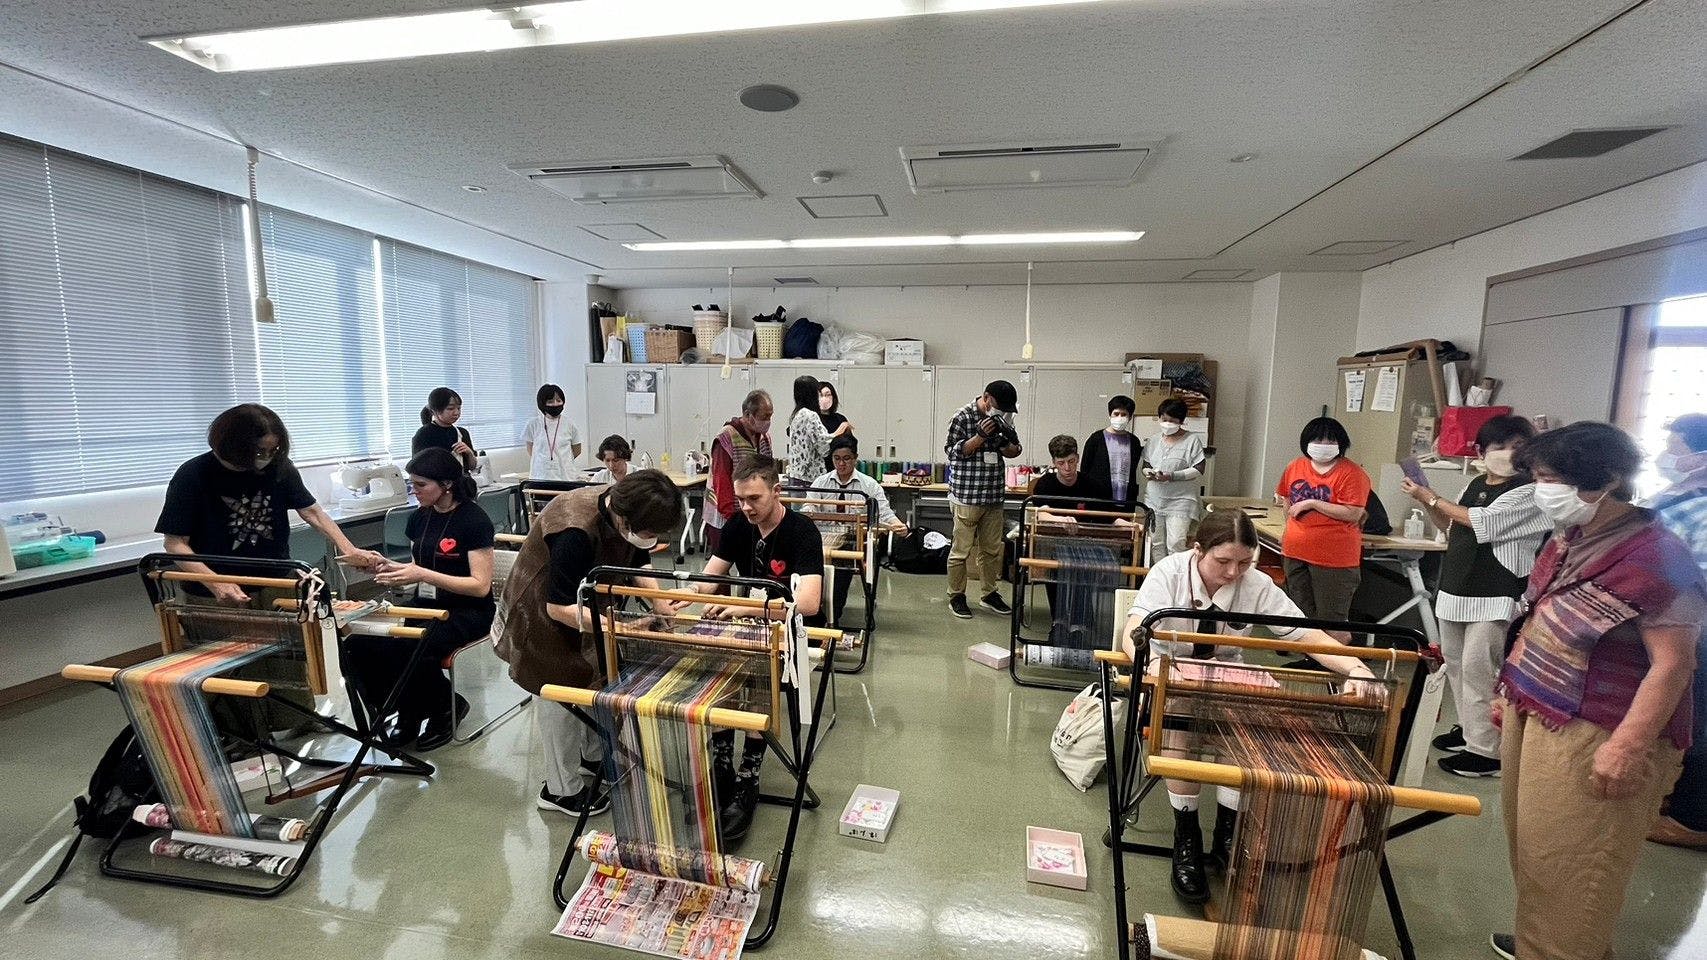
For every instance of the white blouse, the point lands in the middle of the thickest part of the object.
(1177, 497)
(553, 447)
(1174, 581)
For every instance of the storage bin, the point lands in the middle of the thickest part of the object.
(44, 553)
(769, 339)
(707, 324)
(905, 352)
(666, 344)
(637, 343)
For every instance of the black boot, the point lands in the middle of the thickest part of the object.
(736, 816)
(723, 768)
(1221, 843)
(1189, 882)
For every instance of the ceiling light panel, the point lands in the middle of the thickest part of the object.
(539, 24)
(935, 240)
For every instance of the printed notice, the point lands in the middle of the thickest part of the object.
(642, 395)
(1386, 391)
(1354, 390)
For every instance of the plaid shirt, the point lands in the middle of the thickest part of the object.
(1685, 514)
(980, 479)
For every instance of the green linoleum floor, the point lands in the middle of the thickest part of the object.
(461, 866)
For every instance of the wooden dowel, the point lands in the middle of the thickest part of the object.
(844, 554)
(691, 639)
(396, 613)
(278, 582)
(363, 628)
(1225, 775)
(1071, 512)
(515, 538)
(859, 504)
(1056, 565)
(1377, 654)
(686, 596)
(1235, 688)
(814, 633)
(220, 685)
(1116, 657)
(717, 716)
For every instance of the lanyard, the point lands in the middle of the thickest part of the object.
(551, 435)
(427, 539)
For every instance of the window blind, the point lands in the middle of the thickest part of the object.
(124, 322)
(322, 363)
(463, 325)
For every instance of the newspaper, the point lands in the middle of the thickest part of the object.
(658, 915)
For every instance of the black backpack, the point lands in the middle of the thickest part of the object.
(121, 782)
(801, 340)
(908, 555)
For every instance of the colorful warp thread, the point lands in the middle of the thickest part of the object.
(176, 730)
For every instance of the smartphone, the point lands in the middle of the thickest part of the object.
(1414, 471)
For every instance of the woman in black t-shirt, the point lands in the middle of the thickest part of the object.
(830, 413)
(450, 550)
(439, 429)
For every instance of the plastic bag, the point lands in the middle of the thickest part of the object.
(829, 342)
(860, 348)
(733, 342)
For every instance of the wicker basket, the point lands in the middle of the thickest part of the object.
(769, 338)
(666, 344)
(707, 324)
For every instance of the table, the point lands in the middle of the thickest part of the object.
(893, 484)
(693, 535)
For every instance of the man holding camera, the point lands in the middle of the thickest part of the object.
(980, 438)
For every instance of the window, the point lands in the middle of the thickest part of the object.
(467, 326)
(124, 322)
(1665, 353)
(322, 363)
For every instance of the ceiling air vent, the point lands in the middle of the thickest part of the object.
(795, 281)
(1588, 143)
(632, 181)
(1015, 166)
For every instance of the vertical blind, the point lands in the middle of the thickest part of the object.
(322, 363)
(453, 323)
(124, 324)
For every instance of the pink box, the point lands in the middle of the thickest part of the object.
(990, 655)
(1055, 857)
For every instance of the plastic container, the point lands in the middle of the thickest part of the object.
(1414, 525)
(637, 343)
(707, 324)
(43, 553)
(769, 339)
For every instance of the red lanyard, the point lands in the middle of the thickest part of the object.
(551, 435)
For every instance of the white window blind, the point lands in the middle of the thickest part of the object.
(124, 322)
(467, 326)
(322, 362)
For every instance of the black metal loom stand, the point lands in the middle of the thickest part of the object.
(798, 763)
(1123, 768)
(867, 590)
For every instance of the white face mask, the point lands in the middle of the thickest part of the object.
(824, 404)
(1119, 424)
(642, 543)
(1559, 503)
(1169, 428)
(1499, 463)
(1668, 466)
(1322, 452)
(264, 460)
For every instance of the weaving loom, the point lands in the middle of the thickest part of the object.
(217, 656)
(1313, 755)
(662, 881)
(847, 523)
(1081, 556)
(533, 495)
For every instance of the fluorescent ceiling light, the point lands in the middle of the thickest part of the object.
(533, 25)
(822, 243)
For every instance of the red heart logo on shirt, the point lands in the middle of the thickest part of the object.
(447, 545)
(777, 567)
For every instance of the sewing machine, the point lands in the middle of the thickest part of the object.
(370, 485)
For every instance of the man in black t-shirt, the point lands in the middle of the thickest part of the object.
(763, 540)
(1067, 480)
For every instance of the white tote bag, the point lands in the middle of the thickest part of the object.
(1078, 741)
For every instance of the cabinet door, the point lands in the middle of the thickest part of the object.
(1074, 402)
(958, 386)
(689, 391)
(778, 381)
(650, 432)
(864, 395)
(606, 383)
(914, 428)
(723, 398)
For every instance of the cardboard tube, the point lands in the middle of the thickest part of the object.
(1225, 775)
(220, 685)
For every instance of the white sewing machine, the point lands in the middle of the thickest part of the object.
(370, 485)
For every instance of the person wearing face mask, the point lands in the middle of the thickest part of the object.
(1173, 462)
(544, 633)
(439, 429)
(740, 439)
(1595, 705)
(553, 441)
(845, 475)
(615, 453)
(450, 567)
(829, 413)
(1682, 507)
(1112, 454)
(808, 438)
(1216, 573)
(1495, 530)
(980, 438)
(1325, 495)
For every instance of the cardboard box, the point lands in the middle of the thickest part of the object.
(870, 813)
(906, 352)
(990, 655)
(1055, 857)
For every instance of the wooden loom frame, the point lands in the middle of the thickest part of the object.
(605, 586)
(533, 495)
(866, 568)
(1144, 706)
(1136, 567)
(159, 571)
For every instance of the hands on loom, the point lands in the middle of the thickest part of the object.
(228, 593)
(399, 574)
(363, 559)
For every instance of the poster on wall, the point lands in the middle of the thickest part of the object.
(642, 395)
(1354, 390)
(1386, 391)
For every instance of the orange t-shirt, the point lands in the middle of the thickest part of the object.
(1315, 537)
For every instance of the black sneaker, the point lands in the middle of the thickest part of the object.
(993, 601)
(957, 606)
(1503, 944)
(595, 800)
(1452, 741)
(1469, 764)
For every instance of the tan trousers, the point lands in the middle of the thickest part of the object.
(1572, 853)
(978, 537)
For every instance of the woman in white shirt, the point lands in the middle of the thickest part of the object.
(1218, 573)
(553, 442)
(1172, 464)
(614, 452)
(808, 441)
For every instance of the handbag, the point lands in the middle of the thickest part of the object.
(1078, 744)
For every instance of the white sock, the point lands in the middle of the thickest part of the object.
(1227, 797)
(1183, 801)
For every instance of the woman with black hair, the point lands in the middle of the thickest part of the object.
(615, 453)
(553, 441)
(1326, 498)
(808, 440)
(1173, 462)
(1595, 709)
(450, 567)
(1111, 455)
(1494, 533)
(829, 413)
(439, 429)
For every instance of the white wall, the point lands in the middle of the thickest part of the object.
(1265, 316)
(1439, 293)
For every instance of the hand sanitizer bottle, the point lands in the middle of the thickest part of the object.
(1414, 525)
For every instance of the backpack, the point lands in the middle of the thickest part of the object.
(122, 781)
(801, 340)
(1375, 523)
(910, 555)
